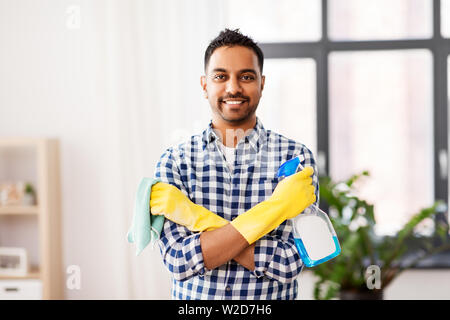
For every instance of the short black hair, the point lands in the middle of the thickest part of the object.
(231, 38)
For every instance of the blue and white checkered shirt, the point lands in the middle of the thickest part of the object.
(198, 168)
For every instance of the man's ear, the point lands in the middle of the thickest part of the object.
(263, 80)
(203, 84)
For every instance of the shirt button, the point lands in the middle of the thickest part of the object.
(228, 288)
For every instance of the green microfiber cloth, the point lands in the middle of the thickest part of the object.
(145, 227)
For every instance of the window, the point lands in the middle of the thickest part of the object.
(288, 102)
(379, 101)
(381, 121)
(380, 19)
(445, 18)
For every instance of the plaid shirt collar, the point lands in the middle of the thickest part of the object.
(256, 138)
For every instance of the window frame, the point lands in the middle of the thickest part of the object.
(439, 48)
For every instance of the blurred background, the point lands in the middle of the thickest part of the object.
(92, 93)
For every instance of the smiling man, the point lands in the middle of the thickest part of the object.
(227, 234)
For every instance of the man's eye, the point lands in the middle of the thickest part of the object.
(219, 76)
(248, 78)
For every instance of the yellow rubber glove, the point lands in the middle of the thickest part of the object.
(291, 196)
(168, 200)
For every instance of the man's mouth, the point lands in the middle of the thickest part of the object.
(234, 102)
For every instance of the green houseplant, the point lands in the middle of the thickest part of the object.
(345, 276)
(29, 195)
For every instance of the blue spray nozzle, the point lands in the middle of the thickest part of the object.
(289, 167)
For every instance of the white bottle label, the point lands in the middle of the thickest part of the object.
(315, 235)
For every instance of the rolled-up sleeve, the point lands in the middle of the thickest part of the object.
(179, 247)
(276, 256)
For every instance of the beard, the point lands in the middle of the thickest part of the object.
(236, 114)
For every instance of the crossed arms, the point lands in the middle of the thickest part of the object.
(258, 239)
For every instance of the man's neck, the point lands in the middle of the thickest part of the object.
(231, 133)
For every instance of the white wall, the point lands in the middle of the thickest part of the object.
(50, 87)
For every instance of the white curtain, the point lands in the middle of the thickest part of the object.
(153, 54)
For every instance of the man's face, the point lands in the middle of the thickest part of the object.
(233, 84)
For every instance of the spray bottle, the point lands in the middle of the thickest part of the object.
(314, 235)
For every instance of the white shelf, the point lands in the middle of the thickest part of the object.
(45, 232)
(19, 210)
(34, 273)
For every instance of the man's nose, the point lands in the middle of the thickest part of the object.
(233, 86)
